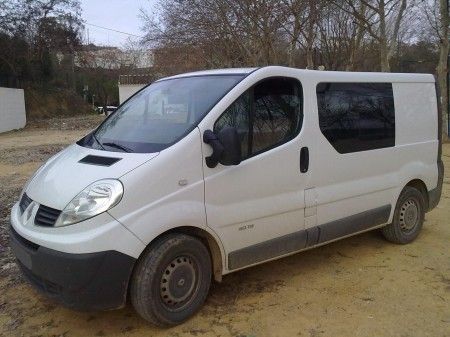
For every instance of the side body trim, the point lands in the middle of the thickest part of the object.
(268, 249)
(354, 223)
(308, 238)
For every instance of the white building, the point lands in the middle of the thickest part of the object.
(130, 84)
(12, 109)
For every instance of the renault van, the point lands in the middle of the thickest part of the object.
(206, 173)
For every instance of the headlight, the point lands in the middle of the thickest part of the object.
(93, 200)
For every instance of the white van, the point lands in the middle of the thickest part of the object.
(203, 174)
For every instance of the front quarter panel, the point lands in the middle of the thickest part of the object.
(166, 192)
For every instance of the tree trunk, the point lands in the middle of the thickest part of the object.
(442, 67)
(351, 61)
(293, 44)
(355, 46)
(309, 58)
(443, 87)
(311, 34)
(394, 39)
(384, 49)
(291, 54)
(384, 56)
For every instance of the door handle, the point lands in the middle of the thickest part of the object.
(304, 159)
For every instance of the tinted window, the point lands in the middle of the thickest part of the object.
(266, 115)
(237, 115)
(357, 116)
(162, 113)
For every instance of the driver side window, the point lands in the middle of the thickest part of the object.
(266, 115)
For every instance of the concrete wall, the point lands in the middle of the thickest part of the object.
(126, 90)
(12, 109)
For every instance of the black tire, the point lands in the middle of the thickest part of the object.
(182, 263)
(408, 218)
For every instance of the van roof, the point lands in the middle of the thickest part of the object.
(225, 71)
(321, 75)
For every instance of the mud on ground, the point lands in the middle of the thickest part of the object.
(360, 286)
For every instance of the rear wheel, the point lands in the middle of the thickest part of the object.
(171, 280)
(408, 218)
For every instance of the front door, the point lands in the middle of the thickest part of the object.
(257, 207)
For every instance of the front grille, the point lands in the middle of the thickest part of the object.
(25, 201)
(46, 216)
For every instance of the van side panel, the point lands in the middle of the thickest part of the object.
(416, 113)
(416, 133)
(351, 183)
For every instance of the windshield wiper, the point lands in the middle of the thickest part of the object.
(117, 146)
(97, 141)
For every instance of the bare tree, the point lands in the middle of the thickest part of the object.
(437, 17)
(341, 39)
(293, 23)
(339, 34)
(381, 19)
(442, 68)
(226, 32)
(310, 33)
(357, 37)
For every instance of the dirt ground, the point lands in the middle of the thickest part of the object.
(361, 286)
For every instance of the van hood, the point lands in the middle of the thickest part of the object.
(63, 176)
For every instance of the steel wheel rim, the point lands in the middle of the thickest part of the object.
(409, 215)
(179, 282)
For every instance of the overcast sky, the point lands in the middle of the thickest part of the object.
(120, 15)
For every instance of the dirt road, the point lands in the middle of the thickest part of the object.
(361, 286)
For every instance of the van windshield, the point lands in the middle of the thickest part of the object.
(161, 114)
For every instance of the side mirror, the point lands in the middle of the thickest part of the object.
(226, 147)
(229, 138)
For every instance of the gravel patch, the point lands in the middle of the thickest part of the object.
(22, 155)
(71, 123)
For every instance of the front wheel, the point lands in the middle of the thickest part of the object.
(171, 280)
(408, 218)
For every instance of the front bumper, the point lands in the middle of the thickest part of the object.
(89, 281)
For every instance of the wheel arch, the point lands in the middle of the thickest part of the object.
(211, 242)
(419, 185)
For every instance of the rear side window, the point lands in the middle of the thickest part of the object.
(267, 115)
(357, 116)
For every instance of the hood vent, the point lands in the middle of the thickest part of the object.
(98, 160)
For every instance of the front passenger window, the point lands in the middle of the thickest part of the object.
(237, 116)
(266, 115)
